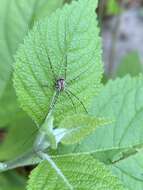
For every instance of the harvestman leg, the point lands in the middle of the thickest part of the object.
(55, 97)
(70, 82)
(66, 64)
(78, 100)
(68, 92)
(66, 58)
(74, 79)
(50, 63)
(71, 100)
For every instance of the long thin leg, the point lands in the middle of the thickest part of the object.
(45, 86)
(50, 63)
(51, 66)
(75, 78)
(61, 62)
(66, 58)
(66, 64)
(71, 100)
(78, 100)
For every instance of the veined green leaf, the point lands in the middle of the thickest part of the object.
(118, 143)
(123, 100)
(80, 126)
(16, 18)
(82, 172)
(67, 45)
(130, 170)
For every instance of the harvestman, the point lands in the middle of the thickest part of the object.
(41, 141)
(61, 86)
(60, 82)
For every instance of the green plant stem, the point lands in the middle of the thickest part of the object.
(23, 160)
(32, 156)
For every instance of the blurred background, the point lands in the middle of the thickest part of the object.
(121, 23)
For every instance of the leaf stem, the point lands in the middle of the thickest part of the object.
(23, 160)
(31, 157)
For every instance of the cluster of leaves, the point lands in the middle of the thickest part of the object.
(67, 43)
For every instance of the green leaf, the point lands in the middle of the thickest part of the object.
(80, 126)
(12, 181)
(120, 99)
(130, 64)
(130, 170)
(82, 172)
(16, 18)
(46, 8)
(120, 141)
(69, 34)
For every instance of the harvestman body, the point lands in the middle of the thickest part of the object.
(60, 84)
(60, 87)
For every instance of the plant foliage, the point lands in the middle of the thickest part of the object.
(16, 18)
(65, 45)
(82, 171)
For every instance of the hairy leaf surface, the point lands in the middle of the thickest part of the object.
(66, 45)
(118, 144)
(80, 126)
(82, 172)
(130, 170)
(122, 100)
(16, 18)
